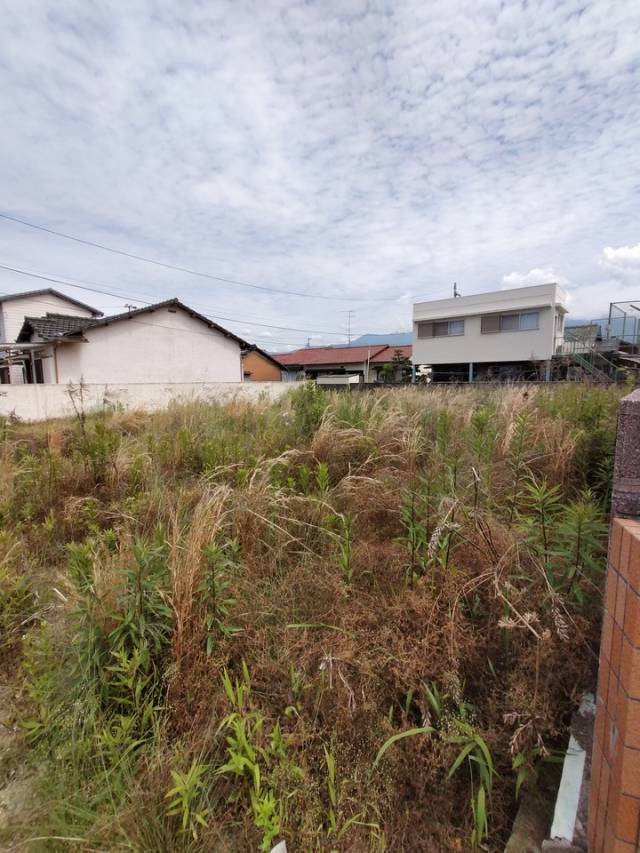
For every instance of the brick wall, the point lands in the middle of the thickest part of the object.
(614, 807)
(614, 799)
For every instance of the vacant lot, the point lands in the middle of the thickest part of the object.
(351, 622)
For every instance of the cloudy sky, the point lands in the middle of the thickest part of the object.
(370, 151)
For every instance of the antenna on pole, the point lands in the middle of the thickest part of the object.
(456, 292)
(130, 307)
(348, 313)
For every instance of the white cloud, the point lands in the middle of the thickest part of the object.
(586, 300)
(534, 276)
(624, 258)
(591, 301)
(321, 147)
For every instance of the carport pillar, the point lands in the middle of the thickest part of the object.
(547, 371)
(470, 371)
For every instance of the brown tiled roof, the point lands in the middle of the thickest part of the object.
(329, 355)
(318, 356)
(390, 351)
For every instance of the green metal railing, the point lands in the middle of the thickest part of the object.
(584, 353)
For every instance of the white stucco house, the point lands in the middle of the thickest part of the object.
(509, 333)
(167, 342)
(16, 367)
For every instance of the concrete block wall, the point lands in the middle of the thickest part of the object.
(614, 799)
(40, 402)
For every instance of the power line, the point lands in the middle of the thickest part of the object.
(262, 341)
(265, 339)
(68, 283)
(138, 322)
(121, 295)
(80, 286)
(186, 270)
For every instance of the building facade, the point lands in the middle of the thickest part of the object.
(507, 333)
(373, 363)
(163, 343)
(14, 307)
(259, 366)
(20, 367)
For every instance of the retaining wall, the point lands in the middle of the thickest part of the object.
(40, 402)
(614, 802)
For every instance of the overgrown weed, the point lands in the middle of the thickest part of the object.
(331, 619)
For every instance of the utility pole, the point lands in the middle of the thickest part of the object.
(456, 292)
(349, 313)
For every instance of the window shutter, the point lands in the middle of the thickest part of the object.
(509, 322)
(425, 330)
(489, 324)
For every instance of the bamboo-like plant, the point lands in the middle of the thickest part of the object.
(221, 564)
(185, 795)
(345, 546)
(414, 520)
(475, 753)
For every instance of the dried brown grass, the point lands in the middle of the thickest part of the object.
(350, 657)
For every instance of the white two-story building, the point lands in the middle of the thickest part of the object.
(503, 334)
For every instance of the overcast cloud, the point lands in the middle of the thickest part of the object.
(363, 150)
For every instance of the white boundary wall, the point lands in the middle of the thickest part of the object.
(40, 402)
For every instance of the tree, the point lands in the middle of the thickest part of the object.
(398, 369)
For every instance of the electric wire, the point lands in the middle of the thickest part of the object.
(187, 270)
(122, 295)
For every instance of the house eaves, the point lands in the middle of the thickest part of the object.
(168, 303)
(53, 326)
(50, 291)
(253, 348)
(330, 356)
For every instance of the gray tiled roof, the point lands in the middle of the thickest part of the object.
(55, 325)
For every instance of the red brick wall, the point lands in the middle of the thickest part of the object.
(614, 804)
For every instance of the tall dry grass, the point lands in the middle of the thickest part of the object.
(355, 556)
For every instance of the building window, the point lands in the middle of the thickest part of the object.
(509, 322)
(528, 321)
(441, 329)
(525, 322)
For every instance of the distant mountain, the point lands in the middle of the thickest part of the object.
(577, 321)
(392, 339)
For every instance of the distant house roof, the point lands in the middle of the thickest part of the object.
(389, 353)
(88, 322)
(27, 294)
(328, 355)
(253, 348)
(338, 356)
